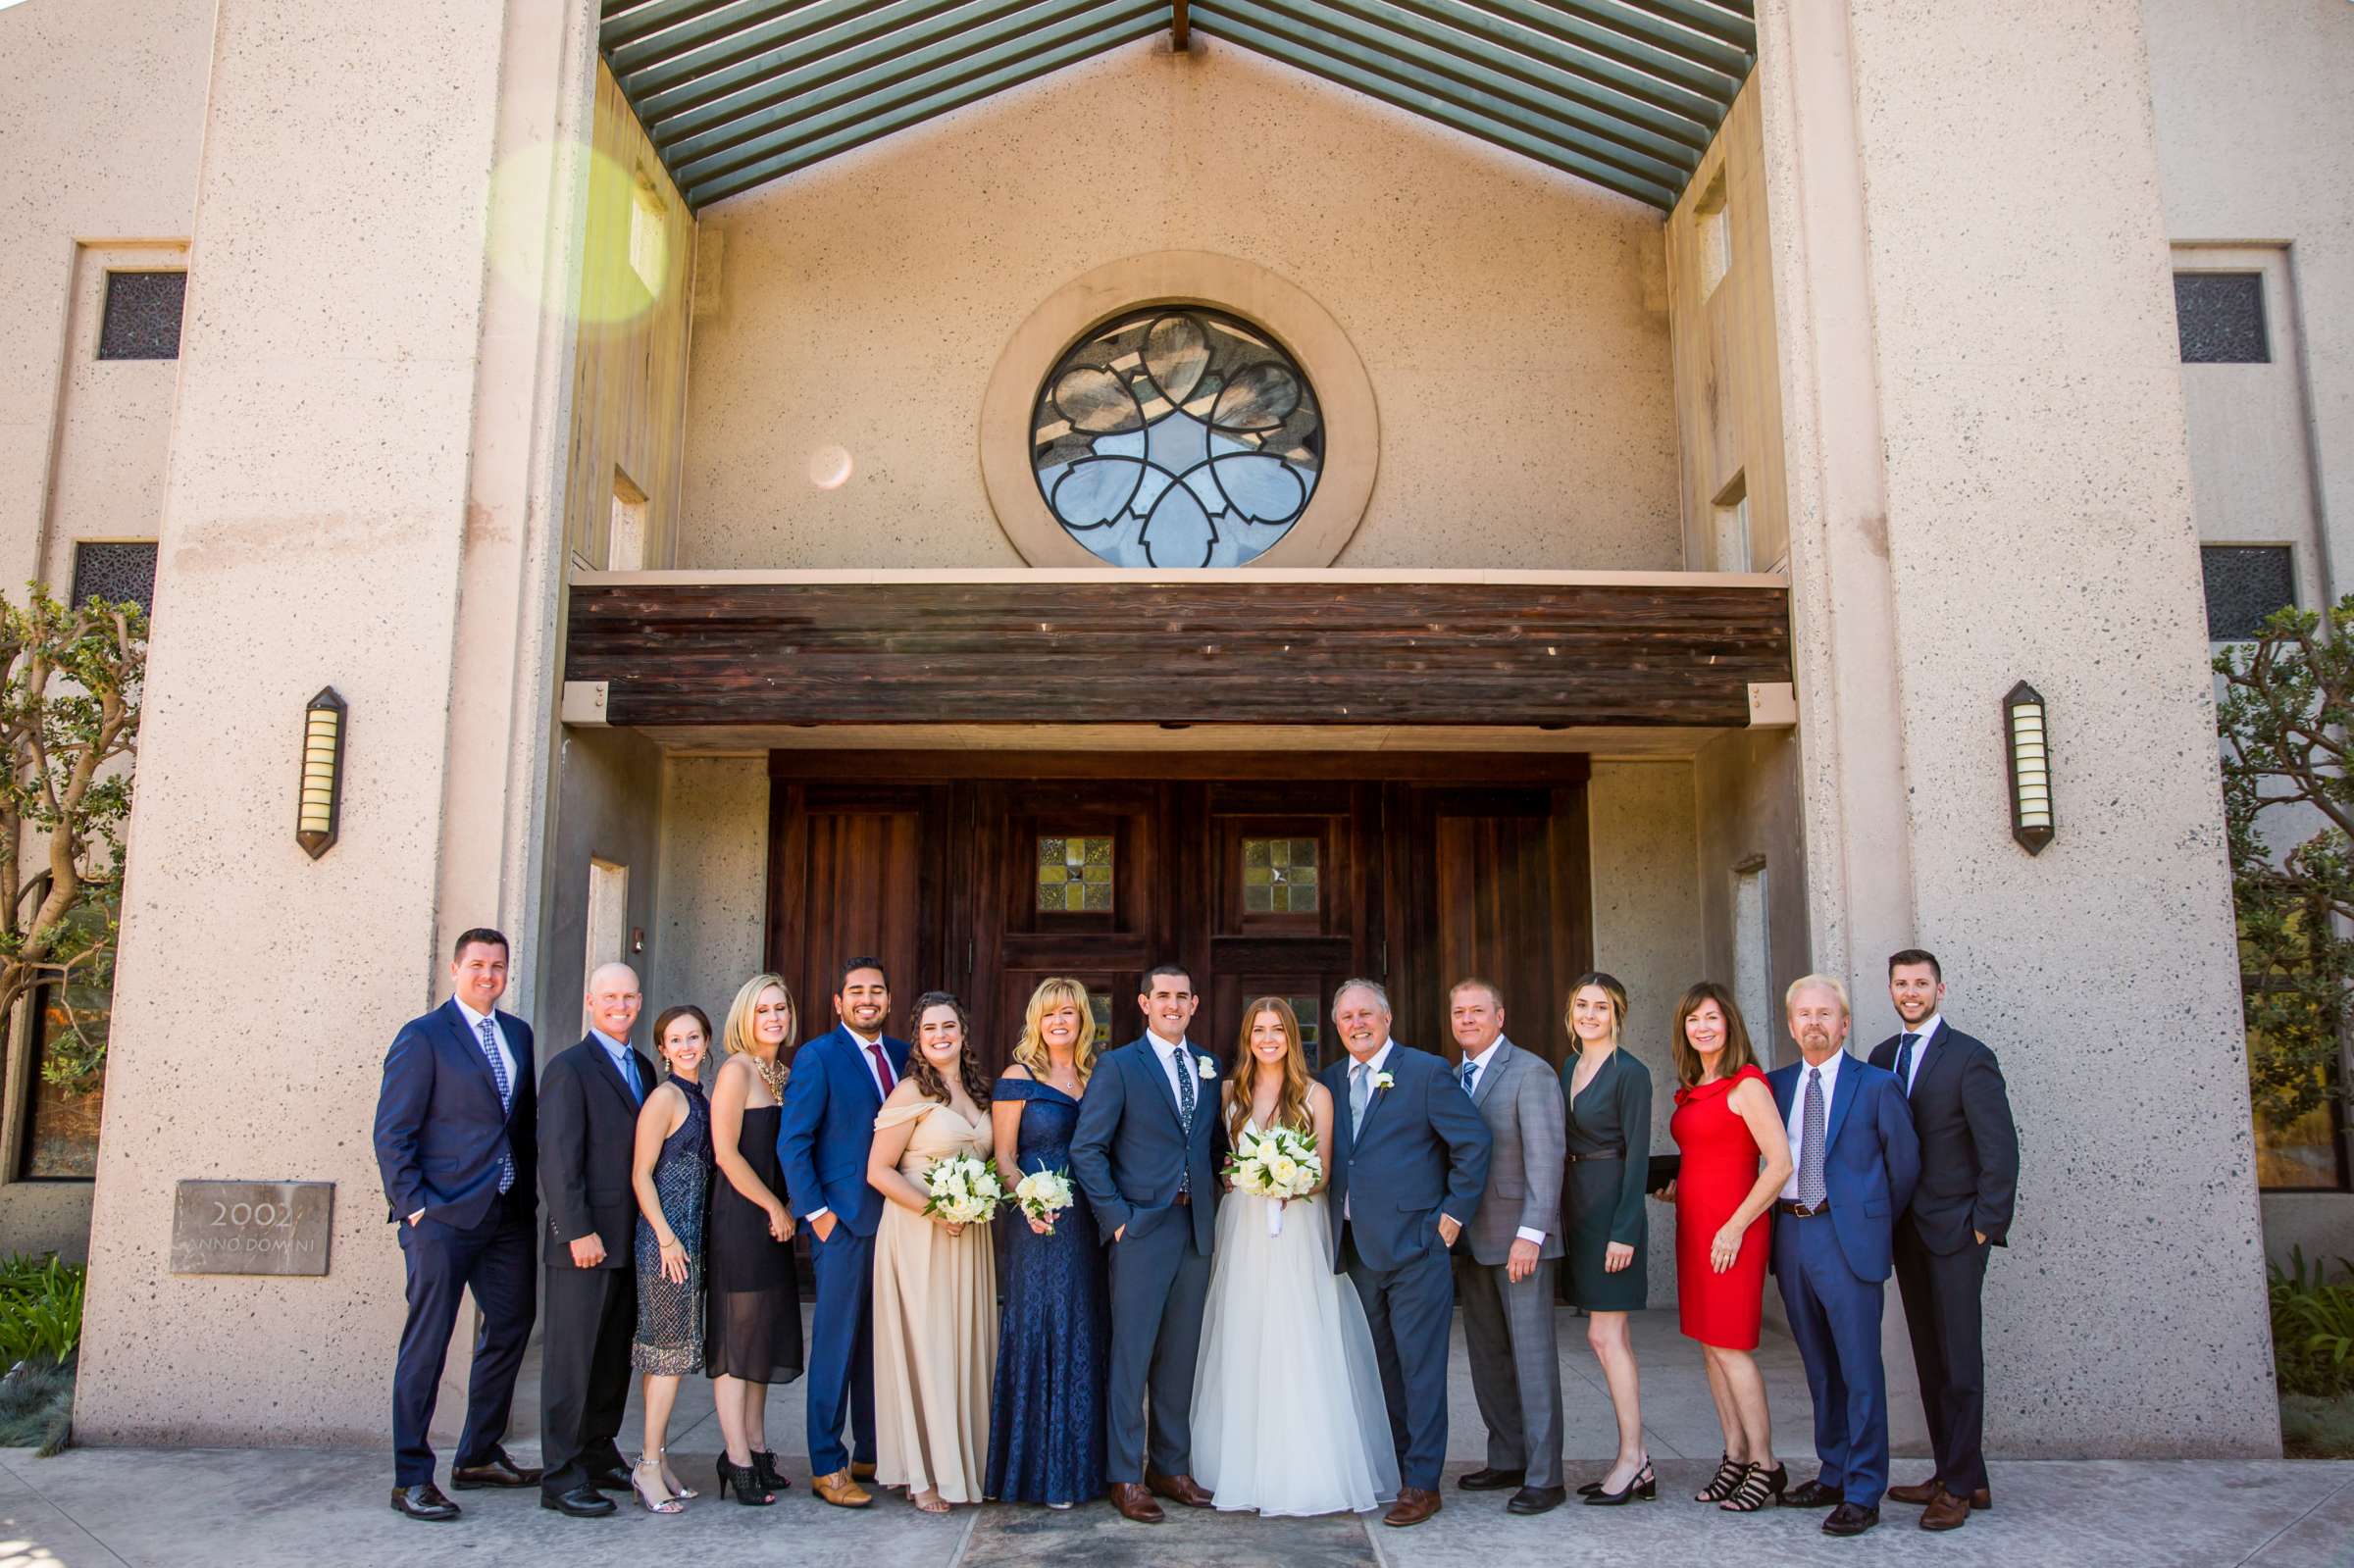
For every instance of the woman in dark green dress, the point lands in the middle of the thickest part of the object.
(1609, 1094)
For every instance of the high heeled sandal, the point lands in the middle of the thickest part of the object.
(745, 1481)
(652, 1495)
(1730, 1472)
(1641, 1486)
(938, 1504)
(670, 1478)
(1759, 1489)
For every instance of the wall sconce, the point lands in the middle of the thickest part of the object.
(2028, 748)
(321, 808)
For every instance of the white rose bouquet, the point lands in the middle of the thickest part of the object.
(1043, 1194)
(1282, 1165)
(964, 1189)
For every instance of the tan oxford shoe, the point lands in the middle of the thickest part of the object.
(1134, 1502)
(863, 1470)
(1414, 1504)
(839, 1490)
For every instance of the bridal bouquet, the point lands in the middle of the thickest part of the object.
(964, 1188)
(1281, 1164)
(1042, 1194)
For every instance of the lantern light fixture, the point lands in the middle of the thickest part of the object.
(320, 809)
(2027, 748)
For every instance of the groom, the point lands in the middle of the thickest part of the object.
(1145, 1154)
(1409, 1160)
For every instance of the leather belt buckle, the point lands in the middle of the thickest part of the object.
(1802, 1211)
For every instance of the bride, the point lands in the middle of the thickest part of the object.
(1288, 1412)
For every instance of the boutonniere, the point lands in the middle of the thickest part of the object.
(1209, 1069)
(1382, 1081)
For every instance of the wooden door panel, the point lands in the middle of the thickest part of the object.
(849, 873)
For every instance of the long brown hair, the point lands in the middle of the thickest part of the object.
(1031, 1051)
(1737, 1053)
(1610, 988)
(1291, 1101)
(928, 1082)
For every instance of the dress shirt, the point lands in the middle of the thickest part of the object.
(1797, 1125)
(1479, 1066)
(1921, 1046)
(620, 1053)
(866, 1060)
(1178, 1057)
(473, 1035)
(1372, 1067)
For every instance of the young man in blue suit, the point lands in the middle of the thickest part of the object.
(838, 1082)
(1856, 1161)
(455, 1141)
(1409, 1163)
(1146, 1153)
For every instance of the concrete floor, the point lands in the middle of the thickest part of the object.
(190, 1508)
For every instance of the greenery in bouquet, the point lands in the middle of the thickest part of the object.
(964, 1189)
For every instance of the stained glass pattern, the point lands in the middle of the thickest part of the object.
(1177, 439)
(1311, 1028)
(1074, 874)
(1279, 875)
(1098, 1005)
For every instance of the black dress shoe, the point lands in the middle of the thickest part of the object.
(610, 1478)
(1813, 1495)
(424, 1502)
(1537, 1499)
(583, 1501)
(498, 1470)
(1485, 1480)
(1850, 1519)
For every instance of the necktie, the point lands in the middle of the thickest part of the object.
(506, 1099)
(1360, 1079)
(1183, 1062)
(1904, 1062)
(1470, 1075)
(628, 1075)
(883, 1074)
(1810, 1144)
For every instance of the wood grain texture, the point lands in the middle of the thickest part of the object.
(1178, 653)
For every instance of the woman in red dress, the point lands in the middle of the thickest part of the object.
(1725, 1120)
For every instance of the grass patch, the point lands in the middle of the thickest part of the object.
(36, 1408)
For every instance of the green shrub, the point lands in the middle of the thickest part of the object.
(36, 1408)
(2313, 1326)
(40, 1310)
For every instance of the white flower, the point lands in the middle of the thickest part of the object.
(1209, 1069)
(1284, 1171)
(1384, 1081)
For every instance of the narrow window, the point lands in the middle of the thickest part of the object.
(608, 921)
(116, 573)
(1711, 226)
(1729, 543)
(2220, 319)
(625, 543)
(1753, 960)
(141, 317)
(2245, 585)
(649, 239)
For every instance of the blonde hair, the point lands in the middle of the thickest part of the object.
(1816, 982)
(737, 1039)
(1056, 991)
(1291, 1101)
(1610, 986)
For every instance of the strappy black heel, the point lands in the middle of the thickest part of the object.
(1759, 1487)
(1642, 1487)
(1729, 1474)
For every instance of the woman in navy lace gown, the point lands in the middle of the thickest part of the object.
(1046, 1441)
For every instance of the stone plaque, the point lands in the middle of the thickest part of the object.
(251, 1227)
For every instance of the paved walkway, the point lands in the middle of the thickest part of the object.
(194, 1508)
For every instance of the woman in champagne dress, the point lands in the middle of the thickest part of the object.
(935, 1282)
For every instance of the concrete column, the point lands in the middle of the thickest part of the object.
(1990, 482)
(357, 495)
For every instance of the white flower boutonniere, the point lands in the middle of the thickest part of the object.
(1384, 1081)
(1209, 1069)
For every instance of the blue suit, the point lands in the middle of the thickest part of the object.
(1835, 1267)
(823, 1135)
(1423, 1152)
(441, 1131)
(1132, 1157)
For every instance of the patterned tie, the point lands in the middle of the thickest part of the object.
(1183, 1061)
(1904, 1062)
(506, 1099)
(1361, 1080)
(1810, 1145)
(1470, 1073)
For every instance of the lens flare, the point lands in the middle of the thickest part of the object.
(830, 468)
(626, 266)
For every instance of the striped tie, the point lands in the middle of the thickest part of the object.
(506, 1099)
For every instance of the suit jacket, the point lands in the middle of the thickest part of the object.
(1871, 1158)
(440, 1126)
(827, 1128)
(1520, 1099)
(1130, 1147)
(1969, 1145)
(1422, 1151)
(587, 1141)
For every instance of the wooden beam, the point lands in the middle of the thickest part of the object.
(1181, 26)
(1359, 767)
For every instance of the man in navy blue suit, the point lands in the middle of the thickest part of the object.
(1856, 1161)
(1409, 1163)
(455, 1141)
(838, 1082)
(1145, 1152)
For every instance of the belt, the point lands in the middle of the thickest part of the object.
(1800, 1210)
(1617, 1153)
(1184, 1201)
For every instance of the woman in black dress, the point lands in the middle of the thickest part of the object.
(753, 1336)
(671, 1176)
(1609, 1125)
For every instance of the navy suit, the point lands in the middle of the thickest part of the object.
(823, 1135)
(1835, 1267)
(1969, 1180)
(441, 1131)
(1131, 1155)
(1422, 1151)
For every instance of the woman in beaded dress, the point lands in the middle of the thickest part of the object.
(671, 1175)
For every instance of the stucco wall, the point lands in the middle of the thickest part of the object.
(713, 907)
(1513, 319)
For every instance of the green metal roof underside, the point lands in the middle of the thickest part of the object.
(1625, 93)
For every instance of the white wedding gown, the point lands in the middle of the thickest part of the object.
(1288, 1413)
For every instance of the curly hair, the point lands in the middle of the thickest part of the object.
(1291, 1101)
(1031, 1051)
(928, 1082)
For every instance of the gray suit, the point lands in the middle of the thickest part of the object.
(1515, 1361)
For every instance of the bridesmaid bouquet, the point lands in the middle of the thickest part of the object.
(1281, 1164)
(1043, 1194)
(964, 1189)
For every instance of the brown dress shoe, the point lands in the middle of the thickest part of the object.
(1414, 1506)
(1927, 1491)
(1945, 1512)
(863, 1470)
(839, 1490)
(1134, 1502)
(1179, 1489)
(1983, 1498)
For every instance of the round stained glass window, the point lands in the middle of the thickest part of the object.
(1177, 437)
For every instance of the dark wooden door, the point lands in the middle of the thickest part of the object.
(854, 870)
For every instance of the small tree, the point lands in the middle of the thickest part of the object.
(70, 678)
(2287, 703)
